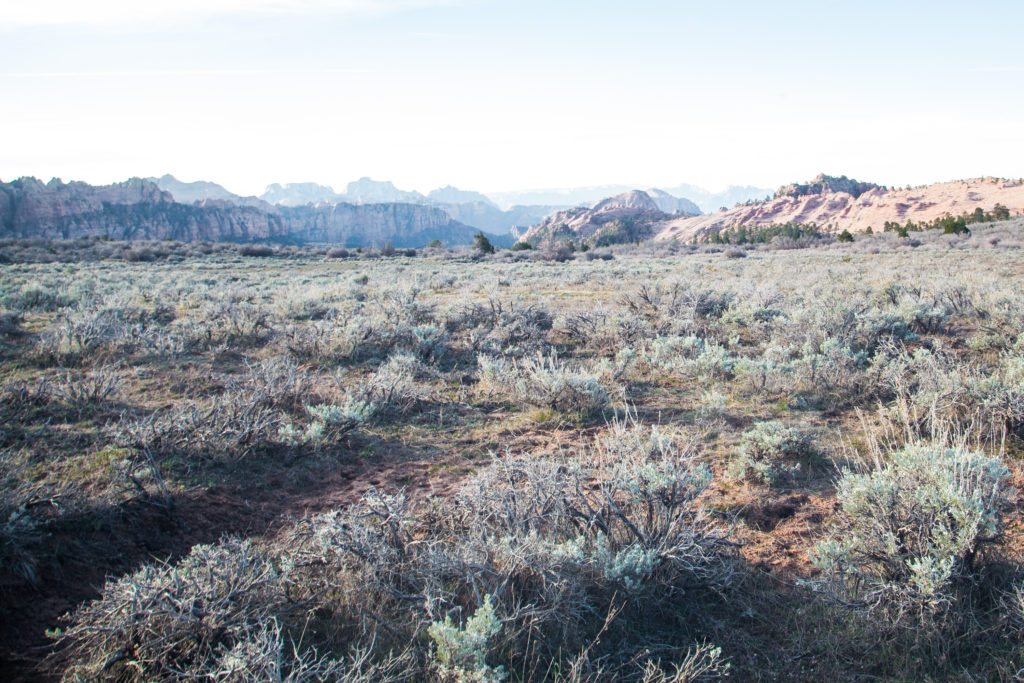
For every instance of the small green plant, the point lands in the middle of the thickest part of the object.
(461, 653)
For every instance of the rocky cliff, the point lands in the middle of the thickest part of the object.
(138, 209)
(359, 225)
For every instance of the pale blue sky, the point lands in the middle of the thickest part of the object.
(495, 95)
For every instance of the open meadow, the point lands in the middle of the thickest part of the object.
(644, 463)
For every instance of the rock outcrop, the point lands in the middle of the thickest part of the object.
(827, 184)
(837, 204)
(626, 217)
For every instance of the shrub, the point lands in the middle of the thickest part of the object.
(496, 327)
(690, 356)
(735, 253)
(261, 250)
(21, 536)
(551, 542)
(37, 297)
(87, 393)
(10, 321)
(174, 621)
(910, 545)
(338, 253)
(545, 382)
(230, 426)
(772, 452)
(482, 244)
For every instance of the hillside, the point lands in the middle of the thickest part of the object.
(626, 217)
(837, 204)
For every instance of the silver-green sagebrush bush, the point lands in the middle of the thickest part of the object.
(545, 381)
(913, 533)
(772, 452)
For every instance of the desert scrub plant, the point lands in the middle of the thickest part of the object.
(702, 662)
(21, 538)
(10, 323)
(230, 426)
(176, 622)
(771, 452)
(909, 548)
(689, 356)
(552, 542)
(34, 296)
(499, 328)
(277, 382)
(544, 381)
(394, 387)
(460, 653)
(234, 320)
(327, 423)
(267, 654)
(88, 392)
(74, 336)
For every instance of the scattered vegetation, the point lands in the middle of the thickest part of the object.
(635, 462)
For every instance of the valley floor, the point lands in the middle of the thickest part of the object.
(647, 468)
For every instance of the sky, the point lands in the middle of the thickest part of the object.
(496, 95)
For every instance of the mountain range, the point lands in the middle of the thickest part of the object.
(139, 209)
(471, 208)
(372, 212)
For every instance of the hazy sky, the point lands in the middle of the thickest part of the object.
(511, 94)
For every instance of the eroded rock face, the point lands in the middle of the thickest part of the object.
(623, 218)
(356, 225)
(139, 209)
(827, 184)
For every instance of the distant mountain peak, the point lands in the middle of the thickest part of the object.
(299, 194)
(366, 190)
(450, 194)
(634, 199)
(625, 217)
(190, 192)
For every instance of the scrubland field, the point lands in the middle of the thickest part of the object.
(650, 464)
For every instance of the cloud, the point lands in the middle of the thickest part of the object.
(14, 15)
